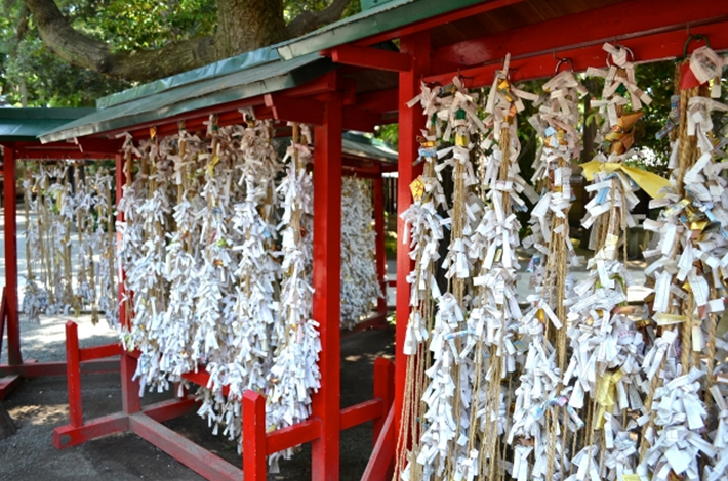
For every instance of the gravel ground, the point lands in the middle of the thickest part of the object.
(46, 341)
(39, 405)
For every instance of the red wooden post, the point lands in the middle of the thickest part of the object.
(11, 257)
(380, 463)
(326, 282)
(384, 390)
(381, 253)
(129, 389)
(254, 437)
(121, 275)
(410, 122)
(73, 373)
(3, 317)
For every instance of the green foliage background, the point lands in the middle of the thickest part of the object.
(127, 25)
(30, 71)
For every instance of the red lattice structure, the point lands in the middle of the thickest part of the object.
(328, 418)
(17, 369)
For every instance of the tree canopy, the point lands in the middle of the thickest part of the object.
(70, 52)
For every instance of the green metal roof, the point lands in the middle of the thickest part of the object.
(216, 69)
(354, 144)
(382, 18)
(359, 145)
(27, 123)
(192, 91)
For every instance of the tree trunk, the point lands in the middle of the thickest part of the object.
(588, 133)
(244, 25)
(7, 428)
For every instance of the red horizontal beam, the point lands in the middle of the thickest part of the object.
(354, 162)
(53, 155)
(375, 58)
(9, 384)
(193, 119)
(289, 109)
(100, 352)
(383, 453)
(648, 48)
(201, 378)
(360, 413)
(196, 122)
(611, 23)
(22, 144)
(170, 409)
(100, 145)
(374, 320)
(378, 102)
(437, 21)
(90, 146)
(354, 118)
(58, 368)
(310, 430)
(300, 433)
(67, 436)
(359, 175)
(320, 85)
(198, 459)
(228, 112)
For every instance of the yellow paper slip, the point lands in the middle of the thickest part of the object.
(418, 188)
(651, 183)
(664, 319)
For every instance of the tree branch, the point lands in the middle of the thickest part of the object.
(309, 21)
(21, 28)
(143, 65)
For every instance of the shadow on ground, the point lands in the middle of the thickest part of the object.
(40, 405)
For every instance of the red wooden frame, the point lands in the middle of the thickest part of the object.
(13, 373)
(418, 45)
(328, 419)
(663, 37)
(613, 23)
(370, 57)
(647, 48)
(652, 33)
(257, 443)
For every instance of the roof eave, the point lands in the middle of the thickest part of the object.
(387, 17)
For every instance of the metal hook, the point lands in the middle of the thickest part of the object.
(616, 45)
(694, 37)
(562, 61)
(464, 77)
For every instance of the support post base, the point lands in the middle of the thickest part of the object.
(9, 384)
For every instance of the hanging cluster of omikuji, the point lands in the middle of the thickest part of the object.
(216, 246)
(359, 284)
(578, 385)
(70, 241)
